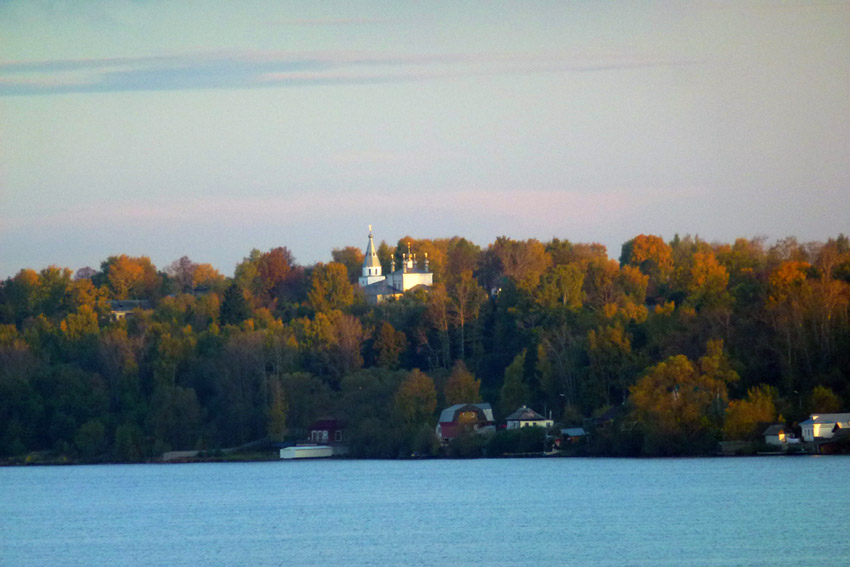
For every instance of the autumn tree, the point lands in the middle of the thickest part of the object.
(746, 419)
(462, 386)
(523, 261)
(437, 315)
(600, 283)
(54, 285)
(275, 269)
(561, 288)
(651, 254)
(611, 363)
(131, 278)
(416, 399)
(704, 280)
(515, 391)
(677, 403)
(80, 323)
(461, 255)
(434, 251)
(182, 273)
(331, 344)
(206, 276)
(788, 292)
(388, 347)
(247, 274)
(348, 343)
(276, 411)
(823, 400)
(560, 346)
(466, 299)
(352, 258)
(330, 288)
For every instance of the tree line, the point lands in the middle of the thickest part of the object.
(692, 342)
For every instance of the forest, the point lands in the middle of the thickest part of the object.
(691, 342)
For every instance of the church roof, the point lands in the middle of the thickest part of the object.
(380, 288)
(371, 259)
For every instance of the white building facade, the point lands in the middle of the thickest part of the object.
(822, 426)
(378, 288)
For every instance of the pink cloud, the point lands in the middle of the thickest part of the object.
(543, 207)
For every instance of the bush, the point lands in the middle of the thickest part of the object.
(517, 441)
(467, 445)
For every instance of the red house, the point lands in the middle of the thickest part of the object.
(464, 417)
(327, 431)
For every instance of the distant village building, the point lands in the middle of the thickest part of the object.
(526, 417)
(327, 431)
(326, 439)
(824, 425)
(458, 418)
(573, 434)
(778, 435)
(378, 288)
(121, 309)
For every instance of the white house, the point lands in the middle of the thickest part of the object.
(777, 435)
(822, 425)
(377, 287)
(526, 417)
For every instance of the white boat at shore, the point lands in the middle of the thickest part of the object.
(312, 451)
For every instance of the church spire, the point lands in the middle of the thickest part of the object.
(371, 263)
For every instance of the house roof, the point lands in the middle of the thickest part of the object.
(775, 429)
(129, 304)
(327, 423)
(448, 415)
(525, 414)
(574, 432)
(380, 288)
(821, 418)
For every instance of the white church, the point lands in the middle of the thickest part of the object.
(378, 287)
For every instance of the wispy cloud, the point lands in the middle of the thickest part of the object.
(545, 205)
(245, 70)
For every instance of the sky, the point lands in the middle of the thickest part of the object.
(208, 129)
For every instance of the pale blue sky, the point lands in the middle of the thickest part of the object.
(210, 128)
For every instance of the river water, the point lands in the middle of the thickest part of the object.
(542, 512)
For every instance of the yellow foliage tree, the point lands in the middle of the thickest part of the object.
(462, 387)
(79, 324)
(745, 417)
(330, 287)
(416, 399)
(675, 401)
(651, 254)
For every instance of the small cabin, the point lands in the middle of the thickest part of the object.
(526, 417)
(327, 431)
(573, 434)
(777, 435)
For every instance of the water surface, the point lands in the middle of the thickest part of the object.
(542, 512)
